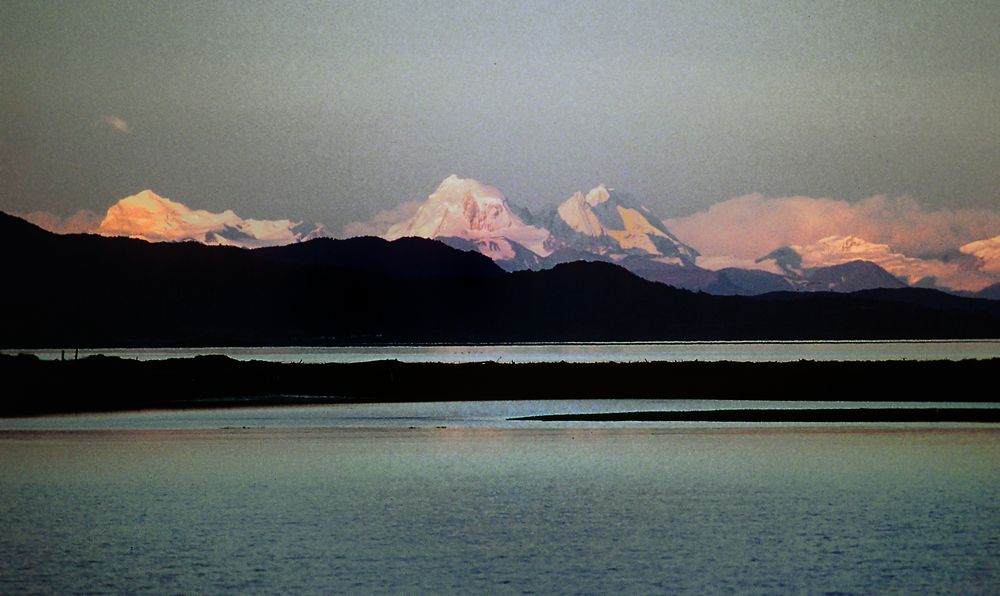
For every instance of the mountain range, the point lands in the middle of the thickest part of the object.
(81, 290)
(600, 225)
(613, 227)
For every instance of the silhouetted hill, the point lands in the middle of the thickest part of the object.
(406, 257)
(81, 290)
(18, 231)
(853, 276)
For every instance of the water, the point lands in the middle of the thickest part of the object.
(339, 499)
(583, 352)
(451, 414)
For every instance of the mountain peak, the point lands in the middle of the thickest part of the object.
(468, 209)
(146, 199)
(145, 195)
(612, 225)
(148, 216)
(577, 212)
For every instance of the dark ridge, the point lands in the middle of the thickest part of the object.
(404, 258)
(747, 282)
(20, 231)
(96, 383)
(83, 291)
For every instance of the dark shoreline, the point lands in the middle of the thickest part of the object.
(32, 386)
(975, 415)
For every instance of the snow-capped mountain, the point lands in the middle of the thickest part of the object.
(834, 250)
(615, 225)
(148, 216)
(599, 225)
(843, 264)
(852, 276)
(469, 210)
(605, 225)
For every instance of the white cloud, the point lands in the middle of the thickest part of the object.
(383, 220)
(117, 123)
(717, 262)
(987, 252)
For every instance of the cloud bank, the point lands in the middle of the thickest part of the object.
(751, 226)
(383, 220)
(940, 247)
(81, 222)
(956, 274)
(987, 252)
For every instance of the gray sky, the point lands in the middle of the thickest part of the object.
(331, 111)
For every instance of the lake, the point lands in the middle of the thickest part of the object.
(577, 352)
(445, 498)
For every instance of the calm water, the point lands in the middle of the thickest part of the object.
(351, 499)
(457, 414)
(594, 352)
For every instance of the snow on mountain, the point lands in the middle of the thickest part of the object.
(600, 225)
(798, 260)
(605, 225)
(612, 224)
(578, 212)
(149, 216)
(468, 209)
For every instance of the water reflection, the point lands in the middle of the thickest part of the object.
(500, 510)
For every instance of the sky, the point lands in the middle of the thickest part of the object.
(332, 112)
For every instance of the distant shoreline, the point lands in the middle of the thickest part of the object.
(973, 415)
(32, 386)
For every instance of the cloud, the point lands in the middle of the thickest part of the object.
(379, 224)
(117, 123)
(81, 222)
(751, 226)
(940, 246)
(987, 253)
(717, 262)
